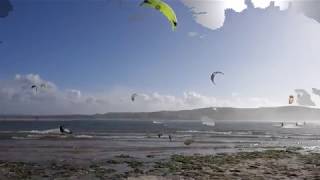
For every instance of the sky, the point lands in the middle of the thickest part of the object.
(93, 54)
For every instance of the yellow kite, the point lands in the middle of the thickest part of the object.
(164, 8)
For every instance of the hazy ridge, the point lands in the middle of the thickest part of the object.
(218, 113)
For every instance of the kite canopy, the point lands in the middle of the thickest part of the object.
(133, 96)
(164, 8)
(213, 75)
(291, 99)
(35, 87)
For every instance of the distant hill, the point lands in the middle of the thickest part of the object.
(220, 113)
(225, 113)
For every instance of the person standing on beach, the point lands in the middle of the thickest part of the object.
(170, 137)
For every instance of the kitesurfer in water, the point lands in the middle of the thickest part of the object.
(64, 131)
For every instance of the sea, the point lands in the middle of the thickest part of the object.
(98, 139)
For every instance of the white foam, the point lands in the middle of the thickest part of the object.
(157, 122)
(290, 126)
(22, 138)
(208, 123)
(84, 136)
(207, 132)
(189, 131)
(46, 136)
(244, 133)
(312, 148)
(47, 131)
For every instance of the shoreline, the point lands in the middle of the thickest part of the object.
(290, 163)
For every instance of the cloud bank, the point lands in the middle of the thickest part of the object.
(304, 98)
(316, 91)
(17, 97)
(212, 13)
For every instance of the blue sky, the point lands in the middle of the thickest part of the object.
(64, 40)
(101, 48)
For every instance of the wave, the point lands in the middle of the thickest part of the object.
(157, 122)
(47, 131)
(22, 138)
(84, 136)
(208, 123)
(47, 136)
(207, 132)
(290, 126)
(243, 133)
(312, 148)
(190, 131)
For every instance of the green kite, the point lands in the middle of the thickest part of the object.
(164, 8)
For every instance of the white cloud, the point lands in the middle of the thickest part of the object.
(304, 98)
(316, 91)
(211, 13)
(235, 94)
(73, 93)
(309, 8)
(195, 34)
(192, 34)
(17, 97)
(282, 4)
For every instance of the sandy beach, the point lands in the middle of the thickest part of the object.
(113, 150)
(290, 163)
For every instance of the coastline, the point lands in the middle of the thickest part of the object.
(289, 163)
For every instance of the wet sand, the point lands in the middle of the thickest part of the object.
(231, 151)
(290, 163)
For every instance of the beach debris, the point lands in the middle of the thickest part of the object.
(164, 8)
(213, 75)
(150, 156)
(123, 156)
(133, 96)
(188, 142)
(291, 99)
